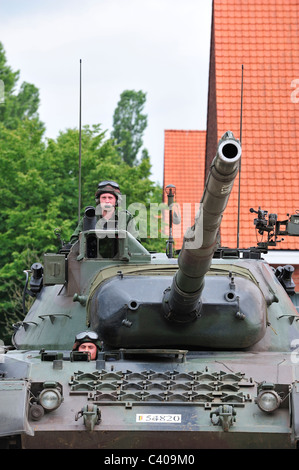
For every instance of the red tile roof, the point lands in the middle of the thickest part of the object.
(184, 165)
(263, 36)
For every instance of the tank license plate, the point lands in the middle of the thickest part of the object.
(158, 418)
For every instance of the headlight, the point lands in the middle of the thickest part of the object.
(50, 399)
(268, 400)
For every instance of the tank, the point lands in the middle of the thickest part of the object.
(198, 351)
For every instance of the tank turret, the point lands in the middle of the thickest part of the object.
(182, 301)
(193, 306)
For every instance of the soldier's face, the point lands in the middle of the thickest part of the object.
(89, 348)
(107, 202)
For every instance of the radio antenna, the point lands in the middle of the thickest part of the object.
(80, 109)
(239, 190)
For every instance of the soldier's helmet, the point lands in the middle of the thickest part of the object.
(108, 187)
(86, 337)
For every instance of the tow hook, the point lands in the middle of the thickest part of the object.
(224, 416)
(91, 416)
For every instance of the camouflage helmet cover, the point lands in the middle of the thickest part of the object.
(108, 187)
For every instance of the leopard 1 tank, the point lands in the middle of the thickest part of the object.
(194, 352)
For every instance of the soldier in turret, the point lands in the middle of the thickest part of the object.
(86, 342)
(108, 197)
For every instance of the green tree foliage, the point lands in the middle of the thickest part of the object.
(129, 124)
(16, 106)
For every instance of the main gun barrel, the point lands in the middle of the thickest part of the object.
(182, 300)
